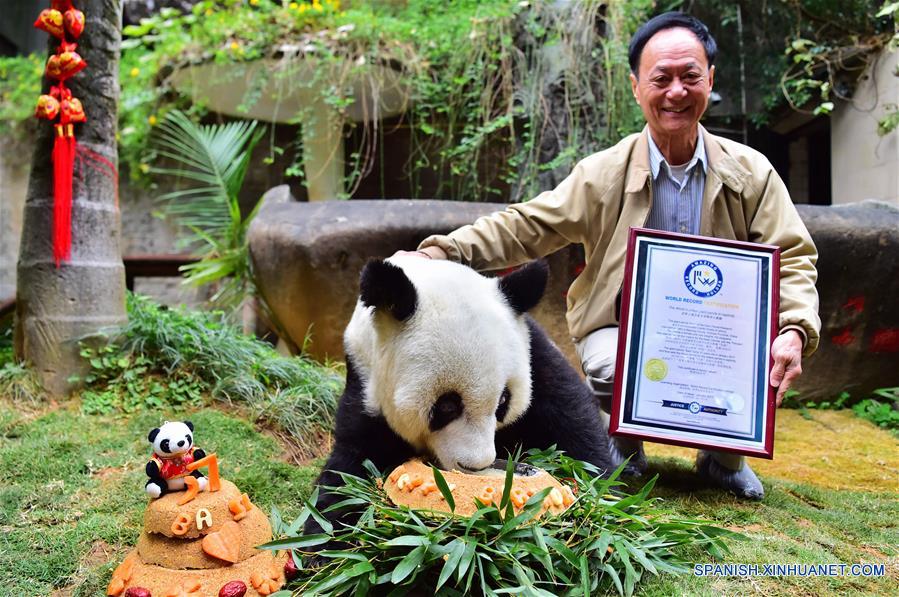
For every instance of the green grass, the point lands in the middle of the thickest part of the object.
(71, 490)
(174, 358)
(795, 523)
(71, 499)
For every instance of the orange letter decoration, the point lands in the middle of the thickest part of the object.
(212, 462)
(193, 488)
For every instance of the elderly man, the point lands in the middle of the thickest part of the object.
(672, 176)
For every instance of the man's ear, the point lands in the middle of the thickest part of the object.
(711, 78)
(634, 83)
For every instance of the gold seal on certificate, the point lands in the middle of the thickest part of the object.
(697, 321)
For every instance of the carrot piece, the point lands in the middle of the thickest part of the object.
(210, 460)
(193, 488)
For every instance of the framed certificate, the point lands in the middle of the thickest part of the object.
(698, 316)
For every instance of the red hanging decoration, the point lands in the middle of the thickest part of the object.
(59, 20)
(74, 22)
(51, 21)
(63, 162)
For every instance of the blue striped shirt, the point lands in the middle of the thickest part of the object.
(677, 205)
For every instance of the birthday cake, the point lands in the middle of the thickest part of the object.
(197, 542)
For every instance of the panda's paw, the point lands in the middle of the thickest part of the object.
(203, 482)
(153, 490)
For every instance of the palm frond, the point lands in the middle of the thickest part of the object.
(215, 157)
(212, 160)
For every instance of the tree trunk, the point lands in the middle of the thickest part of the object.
(57, 308)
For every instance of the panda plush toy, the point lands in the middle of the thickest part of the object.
(173, 450)
(444, 363)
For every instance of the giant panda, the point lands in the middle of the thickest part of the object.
(444, 363)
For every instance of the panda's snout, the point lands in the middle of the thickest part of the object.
(466, 468)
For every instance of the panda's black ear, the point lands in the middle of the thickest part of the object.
(386, 287)
(524, 287)
(153, 434)
(189, 425)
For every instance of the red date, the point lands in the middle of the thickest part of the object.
(235, 588)
(290, 569)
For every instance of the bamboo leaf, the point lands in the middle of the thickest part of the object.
(452, 561)
(507, 485)
(297, 542)
(444, 489)
(408, 564)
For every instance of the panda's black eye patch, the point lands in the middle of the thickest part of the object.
(503, 408)
(446, 409)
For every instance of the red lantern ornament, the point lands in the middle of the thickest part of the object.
(66, 63)
(72, 110)
(74, 22)
(51, 21)
(47, 107)
(61, 18)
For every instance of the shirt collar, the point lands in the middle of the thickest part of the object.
(656, 158)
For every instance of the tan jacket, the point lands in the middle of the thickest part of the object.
(610, 191)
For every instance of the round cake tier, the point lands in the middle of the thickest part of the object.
(412, 484)
(161, 513)
(179, 554)
(162, 581)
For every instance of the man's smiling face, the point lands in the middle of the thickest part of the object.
(674, 83)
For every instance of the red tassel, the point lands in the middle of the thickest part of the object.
(63, 163)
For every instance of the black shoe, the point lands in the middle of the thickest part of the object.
(620, 448)
(742, 483)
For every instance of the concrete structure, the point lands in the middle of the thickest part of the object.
(15, 163)
(863, 164)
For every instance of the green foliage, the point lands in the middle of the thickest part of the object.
(17, 380)
(131, 383)
(882, 408)
(20, 86)
(824, 44)
(837, 404)
(214, 159)
(883, 414)
(477, 72)
(605, 541)
(171, 358)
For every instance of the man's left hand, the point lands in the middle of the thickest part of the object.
(786, 350)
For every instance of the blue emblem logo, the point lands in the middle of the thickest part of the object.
(694, 407)
(703, 278)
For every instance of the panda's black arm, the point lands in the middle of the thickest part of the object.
(198, 454)
(359, 436)
(563, 411)
(155, 476)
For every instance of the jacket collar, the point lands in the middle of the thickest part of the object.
(720, 164)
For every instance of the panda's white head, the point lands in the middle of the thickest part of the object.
(444, 353)
(172, 438)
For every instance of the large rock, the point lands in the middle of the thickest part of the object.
(307, 258)
(858, 282)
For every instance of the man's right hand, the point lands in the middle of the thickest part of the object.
(432, 252)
